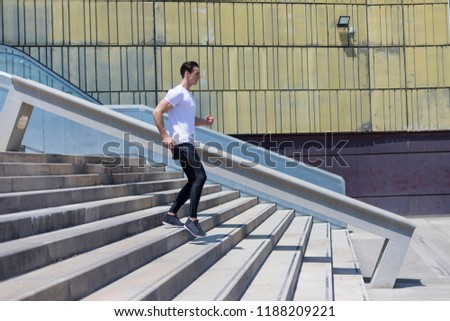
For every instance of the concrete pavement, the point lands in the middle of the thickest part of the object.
(425, 273)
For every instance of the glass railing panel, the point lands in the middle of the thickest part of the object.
(16, 62)
(3, 93)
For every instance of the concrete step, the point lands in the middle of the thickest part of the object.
(26, 254)
(123, 178)
(76, 277)
(89, 227)
(277, 279)
(34, 183)
(23, 224)
(122, 169)
(19, 157)
(230, 276)
(348, 282)
(39, 169)
(316, 277)
(25, 201)
(11, 184)
(23, 164)
(166, 276)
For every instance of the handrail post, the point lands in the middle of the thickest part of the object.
(389, 262)
(14, 117)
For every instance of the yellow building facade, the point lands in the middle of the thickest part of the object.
(267, 66)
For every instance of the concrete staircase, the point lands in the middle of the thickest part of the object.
(89, 228)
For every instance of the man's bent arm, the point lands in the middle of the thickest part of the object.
(158, 115)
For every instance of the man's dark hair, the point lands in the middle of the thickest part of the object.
(188, 66)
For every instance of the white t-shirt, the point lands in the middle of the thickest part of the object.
(182, 115)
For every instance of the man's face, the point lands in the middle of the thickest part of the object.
(194, 76)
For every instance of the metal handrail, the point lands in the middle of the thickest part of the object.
(248, 176)
(249, 151)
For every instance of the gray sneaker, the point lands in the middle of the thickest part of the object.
(172, 220)
(194, 228)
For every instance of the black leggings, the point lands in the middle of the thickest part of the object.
(193, 168)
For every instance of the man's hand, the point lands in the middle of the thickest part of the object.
(168, 142)
(209, 120)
